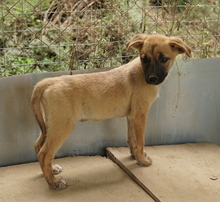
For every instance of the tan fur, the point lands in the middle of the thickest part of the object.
(120, 92)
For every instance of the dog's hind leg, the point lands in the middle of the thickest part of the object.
(57, 133)
(37, 146)
(136, 129)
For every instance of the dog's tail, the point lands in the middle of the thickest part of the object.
(36, 104)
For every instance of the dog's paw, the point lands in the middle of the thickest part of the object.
(61, 184)
(57, 169)
(132, 156)
(145, 161)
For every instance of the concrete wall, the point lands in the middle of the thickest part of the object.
(192, 117)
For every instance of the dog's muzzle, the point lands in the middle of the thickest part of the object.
(154, 79)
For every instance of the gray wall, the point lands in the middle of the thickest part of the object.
(196, 118)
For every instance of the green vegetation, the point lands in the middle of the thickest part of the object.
(56, 35)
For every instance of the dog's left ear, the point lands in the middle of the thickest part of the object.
(177, 44)
(137, 42)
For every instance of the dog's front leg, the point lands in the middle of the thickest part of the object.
(136, 129)
(130, 137)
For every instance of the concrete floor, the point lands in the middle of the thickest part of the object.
(179, 173)
(89, 178)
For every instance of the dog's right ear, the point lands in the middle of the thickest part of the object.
(137, 42)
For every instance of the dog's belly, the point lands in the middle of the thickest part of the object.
(101, 111)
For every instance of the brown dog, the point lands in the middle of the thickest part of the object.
(128, 90)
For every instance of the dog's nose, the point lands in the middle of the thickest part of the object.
(152, 79)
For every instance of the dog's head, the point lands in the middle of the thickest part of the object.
(157, 54)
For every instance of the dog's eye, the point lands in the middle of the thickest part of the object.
(164, 60)
(145, 59)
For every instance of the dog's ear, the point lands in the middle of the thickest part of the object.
(137, 42)
(177, 44)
